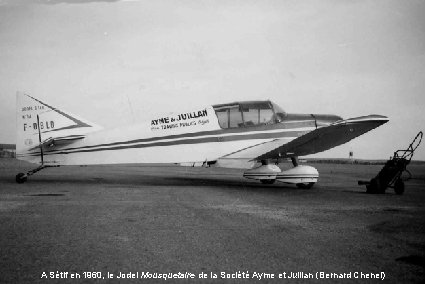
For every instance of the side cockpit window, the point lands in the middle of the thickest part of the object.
(257, 114)
(245, 114)
(235, 118)
(229, 116)
(222, 117)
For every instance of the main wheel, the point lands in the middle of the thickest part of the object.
(399, 187)
(21, 178)
(267, 181)
(306, 185)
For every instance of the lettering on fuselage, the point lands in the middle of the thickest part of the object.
(181, 120)
(44, 125)
(32, 108)
(28, 119)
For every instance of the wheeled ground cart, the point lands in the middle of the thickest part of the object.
(390, 174)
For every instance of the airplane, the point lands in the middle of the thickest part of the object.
(253, 135)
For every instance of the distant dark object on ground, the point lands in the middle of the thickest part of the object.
(7, 150)
(344, 161)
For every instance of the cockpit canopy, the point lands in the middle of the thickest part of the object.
(243, 114)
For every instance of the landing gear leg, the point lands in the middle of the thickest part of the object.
(295, 161)
(23, 177)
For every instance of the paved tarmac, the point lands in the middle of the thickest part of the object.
(196, 223)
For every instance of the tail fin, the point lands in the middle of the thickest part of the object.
(52, 123)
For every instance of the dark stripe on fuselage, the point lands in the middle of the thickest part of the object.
(150, 142)
(262, 128)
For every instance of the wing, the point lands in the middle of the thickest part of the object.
(325, 138)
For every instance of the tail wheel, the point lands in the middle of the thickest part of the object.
(21, 178)
(399, 187)
(305, 185)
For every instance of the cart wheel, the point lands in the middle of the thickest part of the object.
(399, 187)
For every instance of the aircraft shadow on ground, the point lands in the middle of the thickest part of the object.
(139, 181)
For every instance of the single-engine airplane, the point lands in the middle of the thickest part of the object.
(255, 135)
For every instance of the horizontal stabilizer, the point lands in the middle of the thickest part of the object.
(58, 141)
(325, 138)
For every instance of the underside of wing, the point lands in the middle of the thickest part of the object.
(325, 138)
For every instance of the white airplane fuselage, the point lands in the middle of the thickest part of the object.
(191, 140)
(239, 135)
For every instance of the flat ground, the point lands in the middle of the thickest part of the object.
(169, 219)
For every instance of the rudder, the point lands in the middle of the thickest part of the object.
(52, 123)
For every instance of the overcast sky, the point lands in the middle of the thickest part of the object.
(119, 62)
